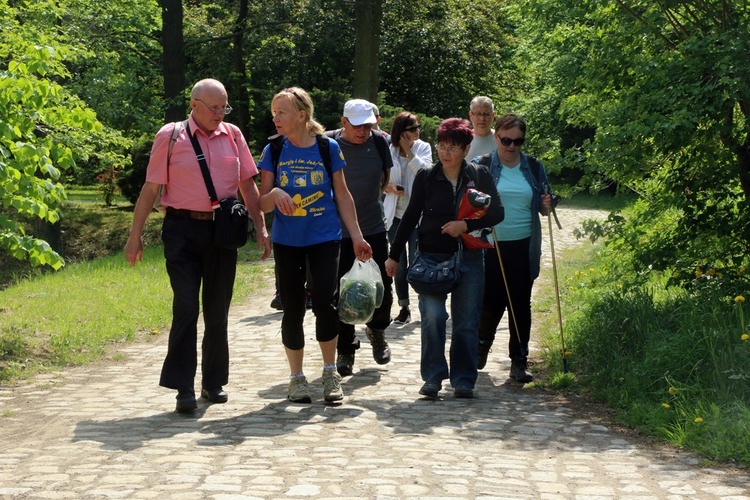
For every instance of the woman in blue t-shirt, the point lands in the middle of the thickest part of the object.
(306, 231)
(519, 243)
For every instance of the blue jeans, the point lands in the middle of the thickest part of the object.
(401, 285)
(466, 306)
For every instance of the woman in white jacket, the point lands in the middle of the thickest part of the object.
(410, 154)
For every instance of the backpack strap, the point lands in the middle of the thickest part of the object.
(324, 147)
(534, 166)
(381, 144)
(277, 143)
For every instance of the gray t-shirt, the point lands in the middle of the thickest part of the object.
(481, 146)
(363, 172)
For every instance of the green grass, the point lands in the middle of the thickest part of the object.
(600, 201)
(672, 363)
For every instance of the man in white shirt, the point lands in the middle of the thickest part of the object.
(481, 114)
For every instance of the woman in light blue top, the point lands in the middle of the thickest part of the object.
(522, 184)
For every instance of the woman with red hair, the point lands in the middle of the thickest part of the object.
(436, 194)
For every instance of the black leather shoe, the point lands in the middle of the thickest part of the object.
(186, 401)
(463, 392)
(215, 395)
(519, 371)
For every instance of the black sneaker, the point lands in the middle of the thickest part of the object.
(345, 364)
(404, 316)
(482, 352)
(381, 353)
(520, 372)
(276, 303)
(430, 390)
(463, 392)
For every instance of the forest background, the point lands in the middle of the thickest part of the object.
(647, 100)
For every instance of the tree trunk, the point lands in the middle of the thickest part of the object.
(173, 45)
(236, 86)
(369, 14)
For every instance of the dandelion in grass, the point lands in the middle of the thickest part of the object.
(665, 405)
(739, 299)
(698, 420)
(154, 331)
(745, 337)
(673, 391)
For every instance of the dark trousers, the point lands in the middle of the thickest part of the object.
(515, 255)
(291, 269)
(193, 260)
(348, 341)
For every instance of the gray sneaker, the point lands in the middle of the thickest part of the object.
(299, 392)
(332, 386)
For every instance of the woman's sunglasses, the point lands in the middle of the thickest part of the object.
(507, 141)
(413, 128)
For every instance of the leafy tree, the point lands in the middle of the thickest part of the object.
(663, 88)
(437, 55)
(36, 112)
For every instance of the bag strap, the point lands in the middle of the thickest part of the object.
(175, 133)
(204, 168)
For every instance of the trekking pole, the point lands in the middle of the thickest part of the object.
(524, 352)
(557, 289)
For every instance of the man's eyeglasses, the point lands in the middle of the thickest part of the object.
(218, 110)
(483, 115)
(413, 128)
(450, 150)
(507, 141)
(365, 126)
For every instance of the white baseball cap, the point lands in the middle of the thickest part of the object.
(359, 112)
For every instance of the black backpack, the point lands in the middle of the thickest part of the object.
(277, 142)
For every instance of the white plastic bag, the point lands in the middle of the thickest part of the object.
(360, 292)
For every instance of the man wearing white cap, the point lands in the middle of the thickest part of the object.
(368, 162)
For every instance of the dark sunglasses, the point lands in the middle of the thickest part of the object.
(413, 128)
(507, 141)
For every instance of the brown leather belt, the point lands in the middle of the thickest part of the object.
(190, 214)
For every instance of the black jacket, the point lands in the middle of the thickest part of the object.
(433, 200)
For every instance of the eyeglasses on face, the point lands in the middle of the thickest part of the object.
(507, 141)
(412, 128)
(483, 115)
(364, 126)
(217, 110)
(449, 149)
